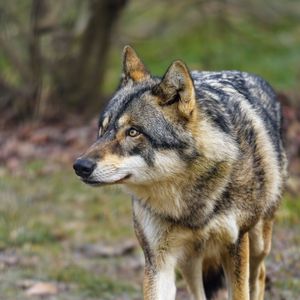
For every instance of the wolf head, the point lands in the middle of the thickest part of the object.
(146, 133)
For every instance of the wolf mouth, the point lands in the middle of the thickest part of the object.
(101, 183)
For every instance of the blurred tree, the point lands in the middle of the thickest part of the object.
(54, 50)
(55, 53)
(81, 80)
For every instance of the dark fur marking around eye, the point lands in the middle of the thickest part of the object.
(146, 154)
(116, 148)
(118, 107)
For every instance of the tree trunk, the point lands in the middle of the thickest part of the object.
(35, 59)
(82, 83)
(74, 72)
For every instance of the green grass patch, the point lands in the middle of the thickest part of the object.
(289, 211)
(45, 217)
(49, 208)
(289, 285)
(37, 234)
(90, 284)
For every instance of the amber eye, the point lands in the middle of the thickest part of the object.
(132, 132)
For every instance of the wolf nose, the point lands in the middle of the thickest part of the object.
(84, 167)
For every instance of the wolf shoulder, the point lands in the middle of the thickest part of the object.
(228, 89)
(231, 82)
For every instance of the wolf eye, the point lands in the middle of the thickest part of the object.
(132, 132)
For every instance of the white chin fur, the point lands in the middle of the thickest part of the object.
(166, 163)
(107, 174)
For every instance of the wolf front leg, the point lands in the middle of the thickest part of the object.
(260, 238)
(236, 267)
(191, 269)
(159, 278)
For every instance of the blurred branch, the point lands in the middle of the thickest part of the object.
(13, 101)
(7, 93)
(96, 38)
(35, 55)
(14, 58)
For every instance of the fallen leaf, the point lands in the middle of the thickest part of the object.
(42, 289)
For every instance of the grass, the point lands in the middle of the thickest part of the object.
(90, 284)
(46, 217)
(289, 285)
(49, 216)
(289, 212)
(62, 206)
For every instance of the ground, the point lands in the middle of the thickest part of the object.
(66, 240)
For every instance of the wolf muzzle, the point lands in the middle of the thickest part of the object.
(84, 167)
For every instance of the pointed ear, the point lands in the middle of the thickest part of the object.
(133, 68)
(177, 86)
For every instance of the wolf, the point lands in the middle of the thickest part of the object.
(202, 154)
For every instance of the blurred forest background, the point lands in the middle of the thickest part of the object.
(59, 63)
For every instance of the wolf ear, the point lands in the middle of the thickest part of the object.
(133, 68)
(177, 86)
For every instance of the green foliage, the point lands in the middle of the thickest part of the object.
(233, 41)
(253, 36)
